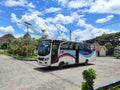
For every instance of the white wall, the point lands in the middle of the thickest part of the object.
(102, 52)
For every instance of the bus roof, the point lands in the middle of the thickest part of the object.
(55, 40)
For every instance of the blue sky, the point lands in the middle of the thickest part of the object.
(84, 18)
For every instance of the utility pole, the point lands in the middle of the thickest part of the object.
(70, 35)
(27, 24)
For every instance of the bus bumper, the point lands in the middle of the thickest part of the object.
(43, 63)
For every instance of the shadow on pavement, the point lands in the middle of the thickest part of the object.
(50, 69)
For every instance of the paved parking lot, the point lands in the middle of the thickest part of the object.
(28, 75)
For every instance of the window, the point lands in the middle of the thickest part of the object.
(69, 46)
(65, 46)
(76, 45)
(81, 46)
(87, 47)
(73, 46)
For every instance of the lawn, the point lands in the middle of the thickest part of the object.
(117, 88)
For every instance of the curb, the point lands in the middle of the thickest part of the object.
(108, 85)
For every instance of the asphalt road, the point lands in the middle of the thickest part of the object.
(28, 75)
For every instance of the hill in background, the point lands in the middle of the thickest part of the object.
(6, 38)
(113, 38)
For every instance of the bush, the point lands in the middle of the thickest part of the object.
(21, 51)
(10, 51)
(117, 56)
(88, 75)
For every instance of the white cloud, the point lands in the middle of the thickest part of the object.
(52, 9)
(93, 6)
(105, 6)
(63, 36)
(106, 19)
(75, 3)
(89, 31)
(81, 22)
(5, 30)
(61, 28)
(18, 35)
(63, 2)
(38, 24)
(13, 3)
(55, 28)
(14, 18)
(30, 5)
(60, 18)
(79, 3)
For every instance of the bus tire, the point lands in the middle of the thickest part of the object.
(86, 62)
(61, 65)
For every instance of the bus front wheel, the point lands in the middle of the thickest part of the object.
(61, 65)
(86, 62)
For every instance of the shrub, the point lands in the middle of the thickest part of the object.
(21, 50)
(88, 75)
(117, 56)
(10, 51)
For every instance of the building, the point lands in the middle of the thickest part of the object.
(101, 50)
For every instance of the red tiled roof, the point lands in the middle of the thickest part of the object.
(98, 48)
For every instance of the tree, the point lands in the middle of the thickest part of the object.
(110, 48)
(108, 45)
(19, 46)
(4, 45)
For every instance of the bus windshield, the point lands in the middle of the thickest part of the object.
(44, 47)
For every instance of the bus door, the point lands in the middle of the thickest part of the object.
(54, 53)
(77, 53)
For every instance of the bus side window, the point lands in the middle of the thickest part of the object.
(81, 46)
(87, 47)
(76, 46)
(70, 46)
(65, 46)
(73, 46)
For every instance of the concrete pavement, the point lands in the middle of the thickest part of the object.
(28, 75)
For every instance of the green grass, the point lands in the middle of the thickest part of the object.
(117, 56)
(117, 88)
(1, 51)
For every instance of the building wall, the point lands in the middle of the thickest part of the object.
(102, 52)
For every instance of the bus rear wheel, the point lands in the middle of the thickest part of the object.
(61, 65)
